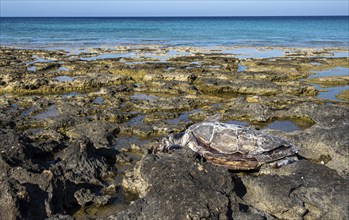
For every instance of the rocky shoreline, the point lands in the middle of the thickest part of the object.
(78, 131)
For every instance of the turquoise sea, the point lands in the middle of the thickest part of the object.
(175, 31)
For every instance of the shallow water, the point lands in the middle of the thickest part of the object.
(170, 68)
(341, 54)
(213, 67)
(13, 108)
(241, 68)
(241, 123)
(172, 53)
(255, 53)
(98, 100)
(331, 92)
(135, 120)
(63, 78)
(108, 56)
(315, 63)
(282, 125)
(198, 63)
(183, 117)
(165, 57)
(31, 69)
(52, 111)
(142, 96)
(71, 94)
(338, 71)
(63, 69)
(150, 55)
(125, 141)
(41, 60)
(28, 111)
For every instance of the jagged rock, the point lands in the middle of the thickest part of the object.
(16, 151)
(37, 188)
(302, 190)
(100, 133)
(327, 141)
(181, 187)
(85, 196)
(82, 163)
(22, 201)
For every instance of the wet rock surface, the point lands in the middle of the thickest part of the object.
(78, 131)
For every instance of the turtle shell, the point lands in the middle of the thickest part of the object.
(239, 146)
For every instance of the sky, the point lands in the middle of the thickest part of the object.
(116, 8)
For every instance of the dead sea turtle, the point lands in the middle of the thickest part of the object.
(232, 146)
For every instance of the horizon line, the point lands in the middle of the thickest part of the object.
(175, 16)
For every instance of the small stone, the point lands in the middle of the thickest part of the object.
(200, 167)
(252, 99)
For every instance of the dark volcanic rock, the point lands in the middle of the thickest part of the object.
(16, 151)
(100, 133)
(19, 201)
(82, 163)
(85, 196)
(302, 190)
(36, 188)
(181, 187)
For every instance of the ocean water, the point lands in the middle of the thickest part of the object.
(175, 31)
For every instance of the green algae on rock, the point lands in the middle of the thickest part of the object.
(344, 95)
(330, 81)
